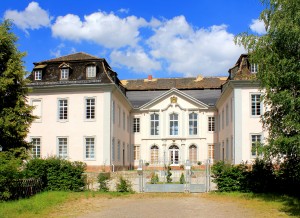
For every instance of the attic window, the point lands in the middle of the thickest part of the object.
(91, 71)
(37, 75)
(253, 68)
(64, 73)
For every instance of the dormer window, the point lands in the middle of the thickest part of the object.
(253, 68)
(91, 71)
(64, 73)
(37, 75)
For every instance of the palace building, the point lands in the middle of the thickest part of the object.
(85, 113)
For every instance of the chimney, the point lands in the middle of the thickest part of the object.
(149, 77)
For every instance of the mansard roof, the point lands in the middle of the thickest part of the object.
(178, 83)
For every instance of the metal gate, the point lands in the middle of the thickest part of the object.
(156, 179)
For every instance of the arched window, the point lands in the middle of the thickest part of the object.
(174, 154)
(154, 154)
(193, 154)
(173, 124)
(193, 123)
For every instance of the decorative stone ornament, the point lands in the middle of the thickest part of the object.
(174, 100)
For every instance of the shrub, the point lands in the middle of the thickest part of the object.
(124, 185)
(169, 174)
(182, 179)
(9, 171)
(199, 163)
(57, 174)
(154, 178)
(103, 180)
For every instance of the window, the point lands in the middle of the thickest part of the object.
(128, 124)
(193, 123)
(223, 119)
(211, 124)
(119, 150)
(173, 124)
(211, 152)
(63, 109)
(154, 154)
(63, 147)
(174, 154)
(136, 151)
(227, 115)
(193, 154)
(37, 111)
(64, 73)
(36, 147)
(38, 75)
(119, 112)
(255, 143)
(253, 68)
(89, 148)
(219, 122)
(154, 124)
(90, 108)
(91, 71)
(255, 105)
(113, 149)
(227, 150)
(128, 153)
(124, 124)
(136, 124)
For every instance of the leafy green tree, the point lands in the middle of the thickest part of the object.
(277, 54)
(15, 113)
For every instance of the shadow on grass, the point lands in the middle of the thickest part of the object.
(291, 204)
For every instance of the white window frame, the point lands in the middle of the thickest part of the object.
(90, 109)
(89, 148)
(227, 114)
(211, 123)
(61, 109)
(113, 149)
(211, 152)
(193, 123)
(124, 120)
(255, 105)
(119, 150)
(113, 112)
(253, 68)
(36, 147)
(254, 142)
(136, 128)
(174, 124)
(62, 149)
(223, 119)
(137, 152)
(64, 73)
(39, 119)
(154, 124)
(38, 75)
(91, 71)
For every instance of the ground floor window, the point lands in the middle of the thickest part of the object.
(36, 147)
(211, 152)
(193, 154)
(136, 151)
(154, 154)
(63, 147)
(255, 143)
(89, 148)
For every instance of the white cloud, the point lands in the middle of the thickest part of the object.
(258, 26)
(124, 10)
(136, 60)
(104, 29)
(33, 17)
(192, 51)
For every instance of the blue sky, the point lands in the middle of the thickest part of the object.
(164, 38)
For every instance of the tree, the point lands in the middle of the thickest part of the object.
(277, 54)
(15, 113)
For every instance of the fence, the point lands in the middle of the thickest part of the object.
(23, 188)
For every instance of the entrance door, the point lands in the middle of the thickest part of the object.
(174, 154)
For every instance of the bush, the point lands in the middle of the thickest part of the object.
(9, 171)
(124, 185)
(57, 174)
(182, 179)
(169, 174)
(154, 178)
(229, 177)
(103, 180)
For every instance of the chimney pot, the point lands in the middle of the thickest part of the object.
(149, 77)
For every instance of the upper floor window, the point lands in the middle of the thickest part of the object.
(64, 73)
(91, 71)
(113, 111)
(37, 111)
(255, 105)
(90, 108)
(62, 109)
(36, 147)
(173, 124)
(37, 75)
(193, 123)
(253, 68)
(136, 124)
(154, 119)
(227, 114)
(211, 124)
(124, 120)
(223, 119)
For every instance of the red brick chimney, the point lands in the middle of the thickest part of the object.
(149, 77)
